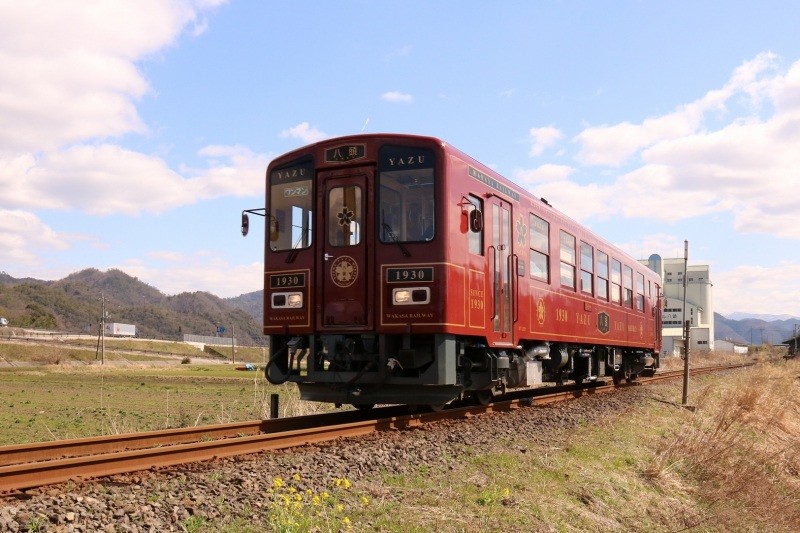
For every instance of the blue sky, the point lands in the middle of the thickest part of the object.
(132, 134)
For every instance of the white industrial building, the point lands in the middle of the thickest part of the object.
(699, 304)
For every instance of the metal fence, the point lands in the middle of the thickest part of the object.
(208, 339)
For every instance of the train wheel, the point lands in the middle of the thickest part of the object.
(436, 407)
(363, 406)
(483, 397)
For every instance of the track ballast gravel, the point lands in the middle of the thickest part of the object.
(221, 491)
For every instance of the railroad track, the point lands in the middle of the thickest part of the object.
(45, 463)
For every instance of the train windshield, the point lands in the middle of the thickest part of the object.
(406, 194)
(291, 203)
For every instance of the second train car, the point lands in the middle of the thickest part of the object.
(400, 270)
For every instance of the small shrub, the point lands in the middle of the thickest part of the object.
(186, 360)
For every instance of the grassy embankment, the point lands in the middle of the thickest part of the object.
(732, 464)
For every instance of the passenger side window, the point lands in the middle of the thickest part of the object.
(627, 284)
(587, 268)
(616, 281)
(540, 249)
(640, 291)
(602, 275)
(567, 259)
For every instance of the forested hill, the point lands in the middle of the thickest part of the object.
(75, 304)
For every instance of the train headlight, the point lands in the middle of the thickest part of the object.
(402, 296)
(411, 295)
(287, 300)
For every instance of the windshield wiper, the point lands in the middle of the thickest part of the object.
(293, 254)
(388, 229)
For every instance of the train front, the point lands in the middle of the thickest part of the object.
(355, 284)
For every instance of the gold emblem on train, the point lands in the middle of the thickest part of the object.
(540, 311)
(344, 271)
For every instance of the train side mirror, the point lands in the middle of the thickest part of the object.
(245, 224)
(476, 221)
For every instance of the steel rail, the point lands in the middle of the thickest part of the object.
(159, 449)
(60, 449)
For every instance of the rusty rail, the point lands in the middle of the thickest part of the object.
(38, 464)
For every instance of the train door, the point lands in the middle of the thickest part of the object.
(343, 291)
(501, 256)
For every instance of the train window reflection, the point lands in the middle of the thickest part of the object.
(406, 194)
(344, 216)
(291, 207)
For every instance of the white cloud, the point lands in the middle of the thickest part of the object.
(23, 236)
(664, 244)
(762, 289)
(746, 166)
(543, 138)
(68, 69)
(108, 179)
(175, 273)
(543, 174)
(69, 78)
(305, 132)
(402, 51)
(397, 97)
(614, 145)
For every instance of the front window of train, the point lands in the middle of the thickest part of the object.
(291, 203)
(406, 194)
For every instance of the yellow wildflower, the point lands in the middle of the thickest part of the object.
(296, 477)
(277, 482)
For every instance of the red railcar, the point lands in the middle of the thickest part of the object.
(400, 270)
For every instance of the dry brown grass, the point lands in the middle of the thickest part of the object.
(705, 358)
(739, 453)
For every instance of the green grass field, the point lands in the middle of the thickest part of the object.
(58, 391)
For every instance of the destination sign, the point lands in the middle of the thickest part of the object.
(345, 153)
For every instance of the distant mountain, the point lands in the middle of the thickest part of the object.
(754, 330)
(766, 318)
(252, 303)
(75, 304)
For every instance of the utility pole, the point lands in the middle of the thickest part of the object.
(686, 325)
(102, 335)
(233, 345)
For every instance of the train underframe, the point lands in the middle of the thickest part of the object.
(369, 369)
